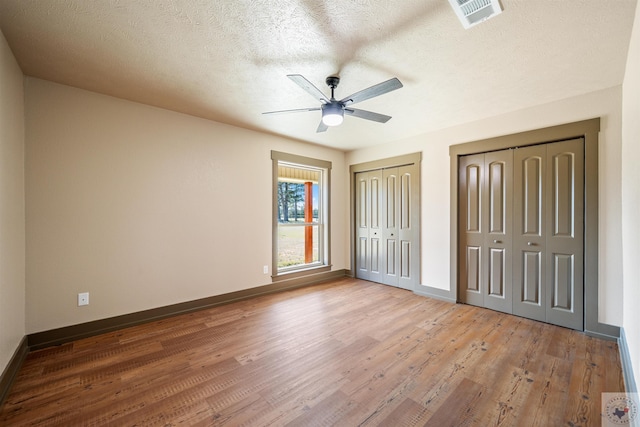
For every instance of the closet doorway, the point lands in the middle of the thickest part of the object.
(521, 229)
(588, 131)
(386, 221)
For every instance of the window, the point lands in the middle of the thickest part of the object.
(300, 214)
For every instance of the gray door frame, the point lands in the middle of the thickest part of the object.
(587, 129)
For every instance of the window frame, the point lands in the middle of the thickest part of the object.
(324, 217)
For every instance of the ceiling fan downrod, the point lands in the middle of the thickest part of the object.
(332, 82)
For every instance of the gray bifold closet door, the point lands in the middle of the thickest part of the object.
(521, 230)
(485, 225)
(387, 226)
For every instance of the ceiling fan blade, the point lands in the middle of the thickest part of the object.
(297, 110)
(308, 87)
(322, 127)
(375, 90)
(367, 115)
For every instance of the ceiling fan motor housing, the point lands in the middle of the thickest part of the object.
(332, 82)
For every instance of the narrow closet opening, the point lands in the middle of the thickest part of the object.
(386, 221)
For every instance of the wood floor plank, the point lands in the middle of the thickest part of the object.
(243, 412)
(346, 352)
(612, 366)
(327, 412)
(408, 413)
(549, 394)
(461, 407)
(585, 386)
(506, 395)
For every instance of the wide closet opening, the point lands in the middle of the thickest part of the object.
(386, 221)
(524, 225)
(521, 231)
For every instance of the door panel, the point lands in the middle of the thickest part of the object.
(563, 186)
(474, 260)
(390, 269)
(368, 220)
(390, 229)
(532, 278)
(375, 211)
(565, 234)
(563, 281)
(531, 171)
(362, 256)
(473, 180)
(361, 204)
(497, 275)
(374, 256)
(408, 233)
(497, 190)
(362, 225)
(498, 236)
(528, 237)
(406, 185)
(471, 238)
(390, 197)
(405, 259)
(373, 195)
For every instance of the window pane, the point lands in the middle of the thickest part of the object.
(292, 202)
(298, 204)
(292, 244)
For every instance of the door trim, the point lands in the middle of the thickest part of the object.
(587, 129)
(391, 162)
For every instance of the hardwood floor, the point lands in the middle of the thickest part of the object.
(344, 353)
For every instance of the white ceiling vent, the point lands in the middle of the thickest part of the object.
(472, 12)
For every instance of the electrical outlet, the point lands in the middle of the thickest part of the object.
(83, 298)
(265, 269)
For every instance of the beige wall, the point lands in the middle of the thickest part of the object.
(12, 228)
(435, 183)
(631, 197)
(143, 207)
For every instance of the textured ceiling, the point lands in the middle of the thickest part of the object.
(227, 60)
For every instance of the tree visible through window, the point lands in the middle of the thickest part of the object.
(300, 213)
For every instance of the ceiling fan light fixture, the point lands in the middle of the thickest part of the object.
(332, 114)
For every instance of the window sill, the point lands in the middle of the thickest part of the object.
(300, 273)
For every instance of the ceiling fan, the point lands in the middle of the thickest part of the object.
(333, 111)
